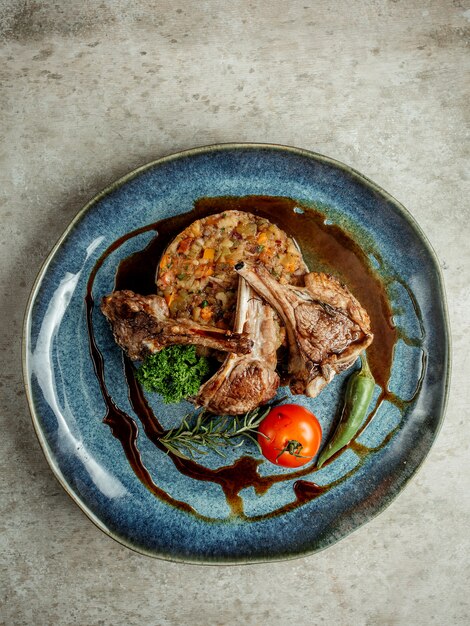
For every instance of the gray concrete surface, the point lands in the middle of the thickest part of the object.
(91, 90)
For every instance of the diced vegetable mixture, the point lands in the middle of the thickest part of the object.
(196, 274)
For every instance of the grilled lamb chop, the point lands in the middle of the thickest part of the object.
(244, 382)
(326, 326)
(141, 326)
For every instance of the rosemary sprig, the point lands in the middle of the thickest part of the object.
(199, 433)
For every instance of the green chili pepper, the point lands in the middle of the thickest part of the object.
(359, 392)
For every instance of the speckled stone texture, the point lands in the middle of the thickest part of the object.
(89, 91)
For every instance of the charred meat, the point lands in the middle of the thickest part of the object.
(326, 326)
(141, 325)
(243, 382)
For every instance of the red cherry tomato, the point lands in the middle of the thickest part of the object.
(289, 435)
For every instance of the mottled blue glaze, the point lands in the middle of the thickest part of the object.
(68, 408)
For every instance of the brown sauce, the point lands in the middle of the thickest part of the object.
(125, 429)
(326, 247)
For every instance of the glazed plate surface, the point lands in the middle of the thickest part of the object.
(67, 403)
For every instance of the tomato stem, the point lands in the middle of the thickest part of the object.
(294, 448)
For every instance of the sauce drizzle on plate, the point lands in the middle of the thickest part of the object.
(326, 247)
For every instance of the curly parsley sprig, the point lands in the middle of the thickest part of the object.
(176, 373)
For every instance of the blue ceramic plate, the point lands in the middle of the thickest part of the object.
(195, 523)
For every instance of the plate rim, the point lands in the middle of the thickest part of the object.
(316, 156)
